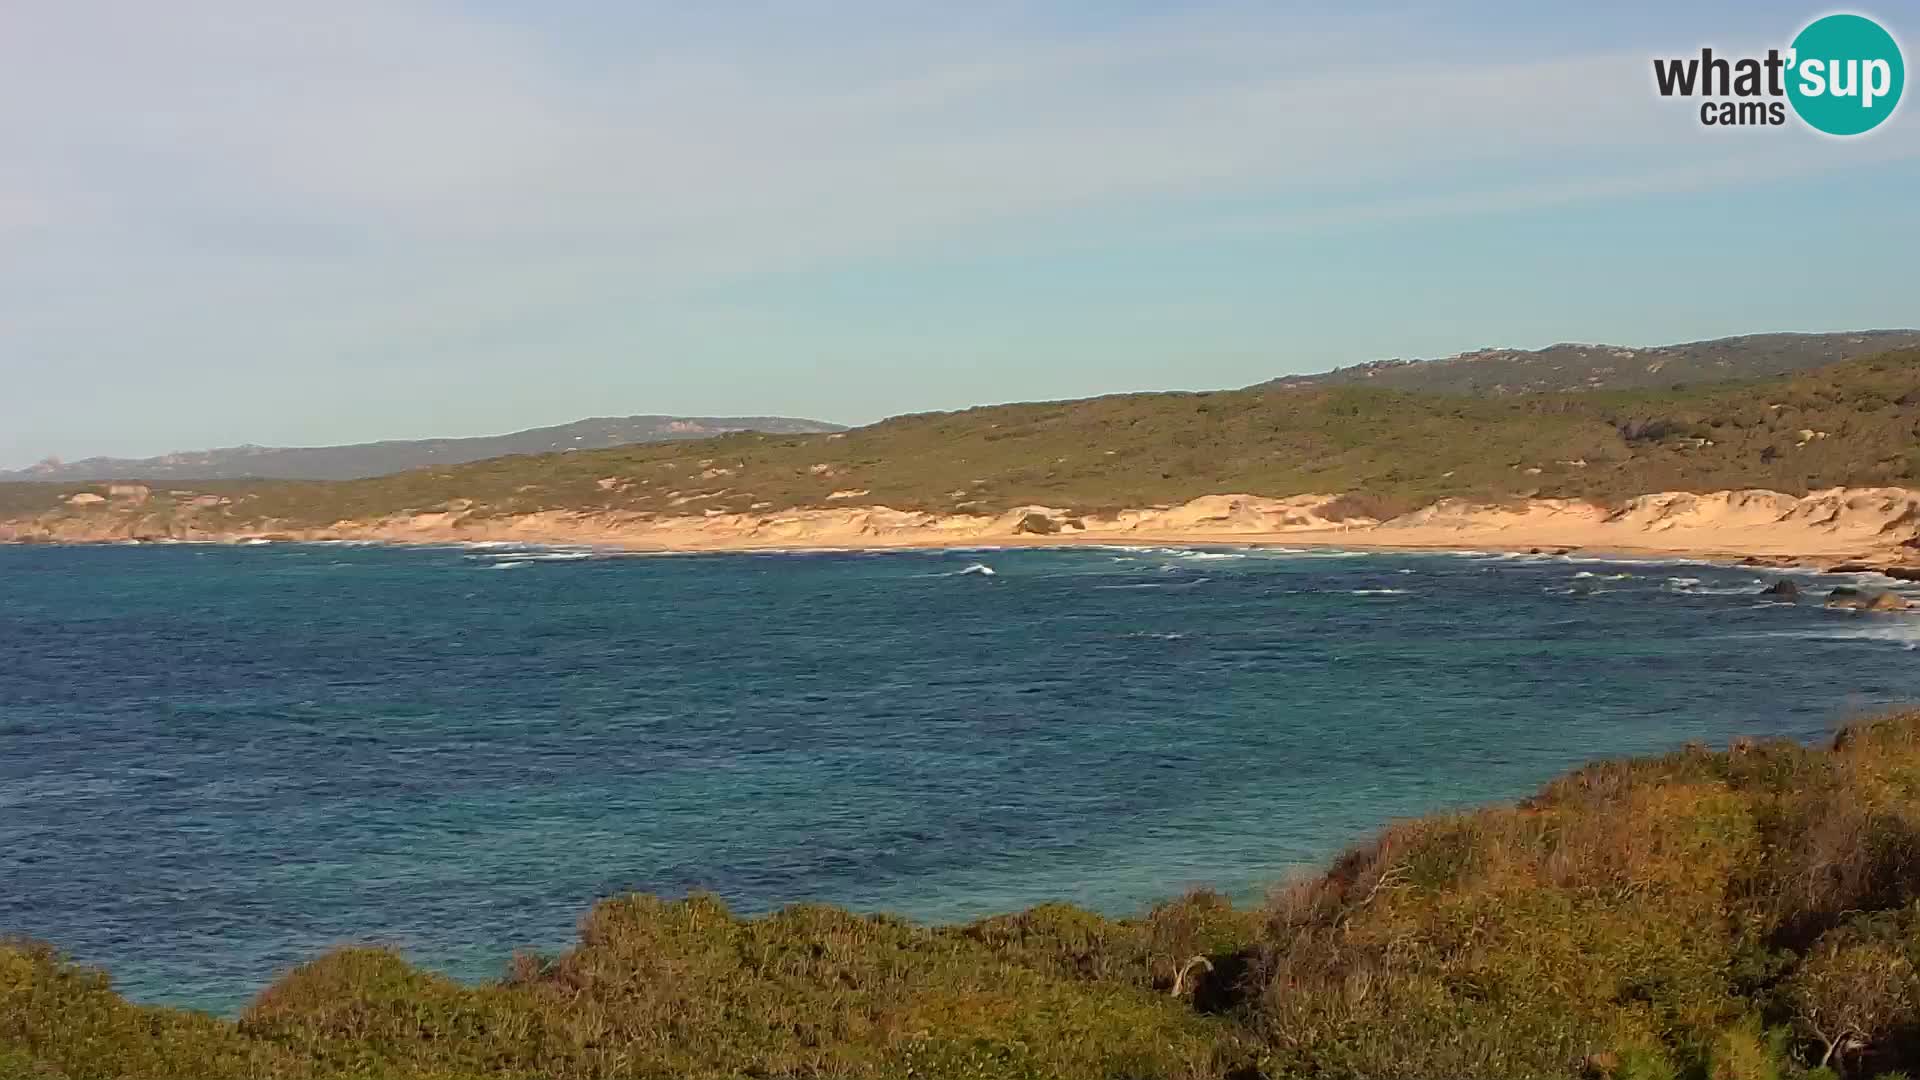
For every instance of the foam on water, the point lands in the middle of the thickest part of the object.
(1157, 584)
(536, 555)
(1849, 626)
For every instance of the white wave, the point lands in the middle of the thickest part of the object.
(1376, 592)
(1251, 551)
(533, 554)
(1162, 550)
(974, 570)
(1875, 580)
(1158, 584)
(1905, 634)
(1726, 590)
(1623, 560)
(514, 565)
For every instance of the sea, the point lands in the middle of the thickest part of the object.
(217, 762)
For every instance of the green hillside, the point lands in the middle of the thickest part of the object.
(1569, 366)
(1751, 914)
(1856, 423)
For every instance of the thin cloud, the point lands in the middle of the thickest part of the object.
(423, 130)
(219, 193)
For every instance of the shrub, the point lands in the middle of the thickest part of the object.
(1746, 915)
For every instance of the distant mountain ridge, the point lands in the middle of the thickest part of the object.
(362, 460)
(1482, 373)
(1573, 366)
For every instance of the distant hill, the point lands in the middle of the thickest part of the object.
(363, 460)
(1570, 366)
(1848, 424)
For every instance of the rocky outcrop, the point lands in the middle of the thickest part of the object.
(1782, 590)
(1855, 599)
(1900, 573)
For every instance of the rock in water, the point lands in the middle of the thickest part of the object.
(1852, 599)
(1783, 590)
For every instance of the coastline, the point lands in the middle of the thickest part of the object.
(1845, 525)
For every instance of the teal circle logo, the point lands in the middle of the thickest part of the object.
(1845, 75)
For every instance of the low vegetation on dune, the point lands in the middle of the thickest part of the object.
(1747, 914)
(1854, 423)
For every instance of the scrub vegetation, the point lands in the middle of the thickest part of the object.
(1856, 423)
(1746, 914)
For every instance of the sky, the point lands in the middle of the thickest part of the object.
(228, 221)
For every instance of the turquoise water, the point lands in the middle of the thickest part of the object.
(216, 762)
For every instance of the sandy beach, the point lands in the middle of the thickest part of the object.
(1841, 524)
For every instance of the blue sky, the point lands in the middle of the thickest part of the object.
(228, 221)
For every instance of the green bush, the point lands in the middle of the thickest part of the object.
(1746, 915)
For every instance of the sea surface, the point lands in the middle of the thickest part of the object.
(216, 762)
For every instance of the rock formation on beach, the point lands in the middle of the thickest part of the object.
(1855, 599)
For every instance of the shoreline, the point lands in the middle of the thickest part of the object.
(1764, 528)
(1612, 553)
(1198, 539)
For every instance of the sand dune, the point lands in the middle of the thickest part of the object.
(1851, 523)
